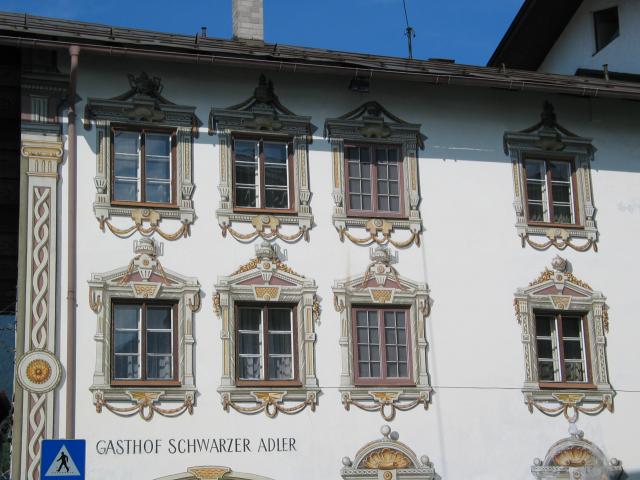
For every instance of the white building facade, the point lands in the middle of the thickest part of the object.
(276, 275)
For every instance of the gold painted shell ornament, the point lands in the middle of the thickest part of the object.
(38, 371)
(574, 457)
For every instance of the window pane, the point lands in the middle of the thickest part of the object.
(126, 316)
(126, 366)
(279, 344)
(158, 342)
(545, 349)
(276, 198)
(280, 319)
(383, 187)
(543, 325)
(246, 196)
(534, 191)
(246, 174)
(363, 353)
(249, 368)
(245, 150)
(158, 192)
(536, 213)
(126, 166)
(275, 152)
(562, 214)
(275, 175)
(157, 144)
(560, 171)
(249, 343)
(546, 371)
(158, 168)
(572, 349)
(571, 326)
(126, 191)
(574, 371)
(355, 202)
(249, 319)
(354, 186)
(126, 341)
(159, 317)
(383, 204)
(280, 368)
(561, 192)
(126, 142)
(366, 202)
(361, 318)
(368, 344)
(159, 367)
(535, 170)
(607, 26)
(394, 204)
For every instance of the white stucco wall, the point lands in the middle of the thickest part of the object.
(576, 46)
(477, 426)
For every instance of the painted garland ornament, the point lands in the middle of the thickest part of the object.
(39, 371)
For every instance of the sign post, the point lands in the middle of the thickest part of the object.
(63, 459)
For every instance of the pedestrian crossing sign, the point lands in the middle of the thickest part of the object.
(62, 459)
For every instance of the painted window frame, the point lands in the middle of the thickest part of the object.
(174, 381)
(372, 125)
(144, 279)
(142, 131)
(558, 290)
(375, 212)
(549, 141)
(263, 115)
(372, 289)
(263, 209)
(143, 107)
(266, 279)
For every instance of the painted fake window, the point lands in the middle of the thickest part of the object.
(144, 342)
(374, 186)
(561, 347)
(262, 174)
(266, 340)
(381, 347)
(550, 191)
(143, 167)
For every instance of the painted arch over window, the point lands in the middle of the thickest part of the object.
(383, 340)
(375, 175)
(213, 473)
(552, 185)
(564, 322)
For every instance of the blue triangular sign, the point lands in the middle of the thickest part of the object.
(63, 459)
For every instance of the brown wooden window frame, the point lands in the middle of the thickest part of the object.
(291, 209)
(383, 380)
(375, 212)
(563, 383)
(142, 381)
(293, 382)
(143, 131)
(549, 193)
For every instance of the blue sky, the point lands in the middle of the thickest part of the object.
(465, 30)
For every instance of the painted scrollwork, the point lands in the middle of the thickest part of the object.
(143, 106)
(144, 277)
(549, 140)
(558, 289)
(266, 278)
(145, 404)
(264, 115)
(381, 284)
(372, 123)
(387, 459)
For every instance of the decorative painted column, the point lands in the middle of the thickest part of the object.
(38, 369)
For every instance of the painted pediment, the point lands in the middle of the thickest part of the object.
(559, 282)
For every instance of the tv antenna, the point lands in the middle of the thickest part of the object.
(409, 32)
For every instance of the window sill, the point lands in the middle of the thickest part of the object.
(271, 400)
(386, 384)
(145, 383)
(264, 211)
(574, 226)
(566, 386)
(583, 394)
(268, 384)
(150, 205)
(387, 400)
(115, 393)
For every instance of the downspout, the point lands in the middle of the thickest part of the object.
(72, 175)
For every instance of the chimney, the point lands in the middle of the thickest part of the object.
(248, 20)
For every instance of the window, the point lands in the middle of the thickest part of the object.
(561, 347)
(553, 197)
(264, 168)
(550, 191)
(374, 186)
(607, 27)
(375, 179)
(381, 346)
(262, 171)
(144, 162)
(143, 166)
(265, 343)
(564, 325)
(383, 342)
(267, 313)
(144, 334)
(144, 340)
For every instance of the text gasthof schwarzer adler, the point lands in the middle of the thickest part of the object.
(185, 446)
